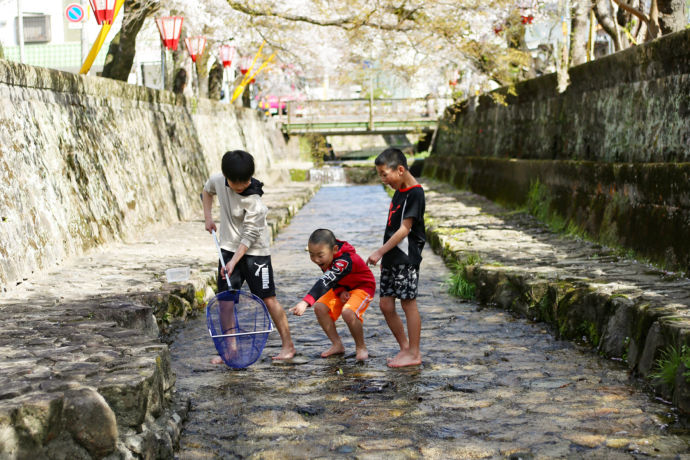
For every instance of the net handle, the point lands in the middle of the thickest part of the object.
(227, 278)
(220, 256)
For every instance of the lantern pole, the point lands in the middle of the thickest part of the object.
(20, 30)
(196, 79)
(226, 83)
(83, 33)
(163, 57)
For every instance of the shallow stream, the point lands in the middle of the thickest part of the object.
(491, 386)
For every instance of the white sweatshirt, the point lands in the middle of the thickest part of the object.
(242, 216)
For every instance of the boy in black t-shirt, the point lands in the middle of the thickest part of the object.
(403, 242)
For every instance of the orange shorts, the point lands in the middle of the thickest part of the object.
(358, 303)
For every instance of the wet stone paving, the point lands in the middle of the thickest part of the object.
(491, 386)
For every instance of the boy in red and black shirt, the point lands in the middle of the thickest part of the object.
(401, 254)
(346, 287)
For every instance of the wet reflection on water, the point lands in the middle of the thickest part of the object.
(490, 386)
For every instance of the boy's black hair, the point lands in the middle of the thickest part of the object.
(237, 166)
(323, 236)
(392, 158)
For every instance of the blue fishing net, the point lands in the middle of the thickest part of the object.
(239, 325)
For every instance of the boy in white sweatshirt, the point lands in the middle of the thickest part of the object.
(245, 237)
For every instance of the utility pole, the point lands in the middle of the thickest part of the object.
(84, 37)
(20, 30)
(371, 99)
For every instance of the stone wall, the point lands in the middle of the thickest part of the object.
(84, 160)
(609, 155)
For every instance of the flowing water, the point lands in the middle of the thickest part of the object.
(328, 175)
(491, 386)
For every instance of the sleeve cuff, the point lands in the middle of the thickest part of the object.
(309, 299)
(246, 242)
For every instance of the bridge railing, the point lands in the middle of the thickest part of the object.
(343, 111)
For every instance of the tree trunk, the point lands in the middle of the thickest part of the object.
(672, 15)
(202, 71)
(180, 81)
(247, 97)
(215, 81)
(579, 32)
(604, 13)
(639, 32)
(653, 30)
(118, 63)
(623, 17)
(178, 62)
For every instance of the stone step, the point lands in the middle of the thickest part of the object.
(623, 309)
(83, 372)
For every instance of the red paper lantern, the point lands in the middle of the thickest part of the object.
(454, 77)
(103, 10)
(170, 28)
(195, 46)
(227, 55)
(245, 63)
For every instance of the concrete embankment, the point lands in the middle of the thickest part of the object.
(99, 192)
(87, 160)
(623, 309)
(609, 156)
(83, 373)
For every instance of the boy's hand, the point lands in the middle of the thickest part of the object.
(374, 258)
(344, 296)
(299, 308)
(228, 268)
(210, 225)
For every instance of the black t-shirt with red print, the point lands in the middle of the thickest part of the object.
(406, 203)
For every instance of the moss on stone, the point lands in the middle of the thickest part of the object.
(361, 175)
(199, 297)
(298, 175)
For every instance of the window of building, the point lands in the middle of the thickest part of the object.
(36, 28)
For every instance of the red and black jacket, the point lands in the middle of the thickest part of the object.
(347, 272)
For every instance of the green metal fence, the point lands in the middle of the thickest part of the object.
(62, 57)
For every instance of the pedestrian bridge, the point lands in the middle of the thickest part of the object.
(362, 116)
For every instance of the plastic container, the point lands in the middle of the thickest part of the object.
(175, 275)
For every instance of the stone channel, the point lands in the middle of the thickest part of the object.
(491, 385)
(83, 372)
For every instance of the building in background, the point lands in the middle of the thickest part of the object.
(50, 40)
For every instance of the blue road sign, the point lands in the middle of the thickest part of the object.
(74, 12)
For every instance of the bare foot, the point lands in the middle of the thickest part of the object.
(362, 354)
(285, 353)
(400, 353)
(217, 360)
(334, 350)
(404, 359)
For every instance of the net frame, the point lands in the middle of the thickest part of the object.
(248, 349)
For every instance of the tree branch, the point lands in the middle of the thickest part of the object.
(633, 11)
(651, 20)
(347, 23)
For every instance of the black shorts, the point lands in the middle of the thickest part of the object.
(257, 271)
(399, 281)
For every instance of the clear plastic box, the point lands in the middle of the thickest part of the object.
(178, 274)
